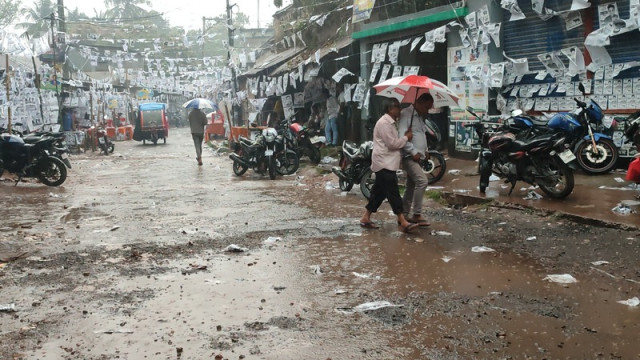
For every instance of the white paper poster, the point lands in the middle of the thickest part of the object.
(576, 60)
(580, 4)
(429, 42)
(374, 72)
(497, 75)
(385, 72)
(513, 7)
(572, 20)
(397, 71)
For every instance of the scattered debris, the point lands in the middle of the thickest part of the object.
(328, 160)
(446, 258)
(316, 269)
(53, 195)
(622, 209)
(531, 238)
(330, 186)
(493, 177)
(272, 239)
(118, 331)
(8, 308)
(454, 172)
(340, 291)
(194, 268)
(441, 233)
(532, 195)
(235, 248)
(366, 276)
(633, 302)
(561, 278)
(115, 227)
(599, 262)
(480, 249)
(374, 305)
(619, 179)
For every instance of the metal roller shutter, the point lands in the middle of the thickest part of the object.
(532, 36)
(624, 47)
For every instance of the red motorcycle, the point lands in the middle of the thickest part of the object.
(101, 140)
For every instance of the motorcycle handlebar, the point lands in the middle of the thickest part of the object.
(581, 104)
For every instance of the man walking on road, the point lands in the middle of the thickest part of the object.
(197, 122)
(385, 161)
(412, 119)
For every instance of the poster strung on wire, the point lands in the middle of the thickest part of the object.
(469, 75)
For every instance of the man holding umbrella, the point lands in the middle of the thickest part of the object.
(412, 118)
(197, 122)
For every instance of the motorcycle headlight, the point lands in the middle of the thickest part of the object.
(269, 138)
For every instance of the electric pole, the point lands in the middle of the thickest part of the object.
(233, 70)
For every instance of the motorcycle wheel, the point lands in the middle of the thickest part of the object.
(111, 147)
(484, 169)
(368, 179)
(600, 162)
(52, 171)
(314, 154)
(563, 186)
(272, 167)
(238, 168)
(287, 163)
(435, 167)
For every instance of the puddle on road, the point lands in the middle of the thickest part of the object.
(475, 292)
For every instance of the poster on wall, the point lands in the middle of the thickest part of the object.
(460, 62)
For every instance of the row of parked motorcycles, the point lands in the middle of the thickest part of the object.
(276, 151)
(40, 155)
(545, 152)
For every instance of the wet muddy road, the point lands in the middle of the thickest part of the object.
(128, 260)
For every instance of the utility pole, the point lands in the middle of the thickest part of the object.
(55, 70)
(233, 70)
(7, 77)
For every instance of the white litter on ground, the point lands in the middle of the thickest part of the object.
(622, 209)
(272, 240)
(374, 305)
(561, 278)
(446, 258)
(365, 276)
(531, 238)
(493, 177)
(480, 249)
(235, 248)
(633, 302)
(532, 195)
(599, 262)
(441, 233)
(454, 172)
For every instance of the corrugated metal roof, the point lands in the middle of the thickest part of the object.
(325, 50)
(270, 59)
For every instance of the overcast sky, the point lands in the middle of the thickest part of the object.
(189, 13)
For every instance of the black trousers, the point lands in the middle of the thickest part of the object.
(385, 187)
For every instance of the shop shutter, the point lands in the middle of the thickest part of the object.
(623, 47)
(532, 36)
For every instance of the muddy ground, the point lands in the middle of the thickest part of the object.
(128, 260)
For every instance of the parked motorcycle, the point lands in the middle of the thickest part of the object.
(436, 165)
(31, 160)
(632, 129)
(104, 143)
(257, 154)
(305, 141)
(588, 137)
(355, 167)
(542, 160)
(57, 149)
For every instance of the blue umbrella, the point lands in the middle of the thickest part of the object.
(200, 103)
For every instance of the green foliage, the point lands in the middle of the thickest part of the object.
(38, 18)
(8, 12)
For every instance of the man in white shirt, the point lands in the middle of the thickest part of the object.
(413, 118)
(331, 125)
(385, 161)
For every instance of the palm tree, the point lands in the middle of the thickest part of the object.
(126, 9)
(38, 18)
(8, 12)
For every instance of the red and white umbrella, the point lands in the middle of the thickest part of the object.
(408, 88)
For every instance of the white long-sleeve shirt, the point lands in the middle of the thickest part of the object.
(387, 145)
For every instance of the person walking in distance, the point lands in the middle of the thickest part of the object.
(331, 126)
(412, 119)
(385, 161)
(197, 122)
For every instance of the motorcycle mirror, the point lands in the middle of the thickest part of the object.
(581, 88)
(470, 110)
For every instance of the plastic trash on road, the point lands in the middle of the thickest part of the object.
(454, 172)
(272, 240)
(493, 177)
(8, 308)
(633, 302)
(531, 238)
(235, 248)
(374, 305)
(622, 209)
(561, 278)
(328, 160)
(599, 262)
(480, 249)
(532, 195)
(441, 233)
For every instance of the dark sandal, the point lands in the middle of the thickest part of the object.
(409, 228)
(369, 225)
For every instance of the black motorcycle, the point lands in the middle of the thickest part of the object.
(57, 149)
(355, 167)
(257, 154)
(435, 165)
(31, 160)
(541, 160)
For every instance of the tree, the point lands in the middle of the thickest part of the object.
(75, 15)
(126, 9)
(8, 11)
(38, 18)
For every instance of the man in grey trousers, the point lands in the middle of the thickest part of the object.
(413, 118)
(197, 122)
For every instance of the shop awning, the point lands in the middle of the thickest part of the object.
(328, 48)
(270, 60)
